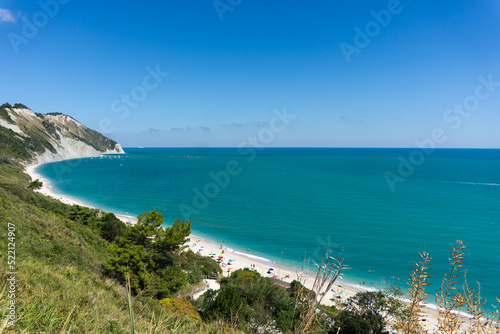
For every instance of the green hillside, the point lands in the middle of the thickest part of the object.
(60, 271)
(19, 148)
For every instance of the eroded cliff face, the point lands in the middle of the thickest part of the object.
(48, 138)
(68, 148)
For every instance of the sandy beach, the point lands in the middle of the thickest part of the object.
(234, 260)
(237, 259)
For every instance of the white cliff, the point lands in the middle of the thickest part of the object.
(68, 148)
(54, 137)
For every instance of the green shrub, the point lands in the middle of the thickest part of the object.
(5, 115)
(34, 185)
(347, 322)
(253, 302)
(19, 106)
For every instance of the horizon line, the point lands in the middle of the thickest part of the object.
(328, 147)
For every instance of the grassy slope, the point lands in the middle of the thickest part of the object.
(59, 263)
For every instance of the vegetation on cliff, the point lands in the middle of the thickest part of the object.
(37, 135)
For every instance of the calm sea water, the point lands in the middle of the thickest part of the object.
(299, 201)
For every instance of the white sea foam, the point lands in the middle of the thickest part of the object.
(437, 308)
(128, 216)
(490, 184)
(481, 183)
(361, 287)
(252, 256)
(227, 249)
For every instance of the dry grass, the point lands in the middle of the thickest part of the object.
(408, 322)
(329, 270)
(451, 301)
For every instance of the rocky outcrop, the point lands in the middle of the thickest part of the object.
(34, 138)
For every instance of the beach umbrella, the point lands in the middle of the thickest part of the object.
(274, 276)
(271, 269)
(231, 260)
(220, 256)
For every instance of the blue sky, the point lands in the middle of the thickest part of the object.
(230, 63)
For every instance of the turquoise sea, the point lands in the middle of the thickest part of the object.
(299, 200)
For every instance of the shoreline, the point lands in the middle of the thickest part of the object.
(340, 292)
(47, 190)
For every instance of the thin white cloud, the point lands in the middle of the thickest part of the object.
(7, 16)
(234, 125)
(260, 124)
